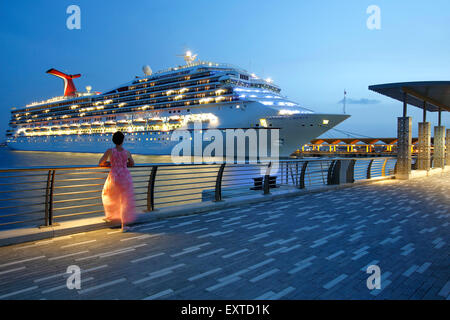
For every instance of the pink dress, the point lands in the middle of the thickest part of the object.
(118, 195)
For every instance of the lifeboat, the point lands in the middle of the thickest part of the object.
(155, 122)
(174, 121)
(85, 124)
(110, 124)
(96, 125)
(139, 122)
(74, 126)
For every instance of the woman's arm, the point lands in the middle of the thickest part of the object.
(130, 160)
(104, 159)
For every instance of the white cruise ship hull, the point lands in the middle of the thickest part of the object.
(294, 132)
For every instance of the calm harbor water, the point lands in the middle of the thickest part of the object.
(17, 159)
(77, 193)
(22, 194)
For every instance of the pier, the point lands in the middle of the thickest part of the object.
(306, 247)
(310, 233)
(356, 147)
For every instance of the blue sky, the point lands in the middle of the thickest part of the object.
(311, 49)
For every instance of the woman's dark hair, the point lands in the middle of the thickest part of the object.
(118, 138)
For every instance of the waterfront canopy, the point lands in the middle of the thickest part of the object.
(436, 94)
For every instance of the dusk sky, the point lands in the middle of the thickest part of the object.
(312, 49)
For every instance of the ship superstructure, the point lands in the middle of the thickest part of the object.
(149, 108)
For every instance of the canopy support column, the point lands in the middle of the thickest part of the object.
(404, 148)
(424, 147)
(447, 162)
(439, 147)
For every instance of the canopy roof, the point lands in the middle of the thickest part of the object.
(436, 94)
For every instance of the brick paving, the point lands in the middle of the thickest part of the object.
(315, 246)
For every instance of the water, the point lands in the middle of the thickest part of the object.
(23, 194)
(18, 159)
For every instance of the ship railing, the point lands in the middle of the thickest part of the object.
(45, 196)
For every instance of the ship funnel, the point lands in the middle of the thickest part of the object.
(69, 87)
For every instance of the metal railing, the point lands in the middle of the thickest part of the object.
(44, 196)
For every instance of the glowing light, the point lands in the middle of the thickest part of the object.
(220, 91)
(263, 123)
(285, 112)
(325, 121)
(269, 80)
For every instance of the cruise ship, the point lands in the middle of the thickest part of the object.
(149, 108)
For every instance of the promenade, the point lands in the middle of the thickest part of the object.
(315, 246)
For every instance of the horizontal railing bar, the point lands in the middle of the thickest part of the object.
(185, 200)
(59, 168)
(25, 182)
(76, 192)
(23, 205)
(80, 179)
(14, 199)
(19, 214)
(26, 190)
(27, 213)
(103, 173)
(184, 189)
(78, 206)
(78, 186)
(17, 222)
(77, 214)
(237, 184)
(157, 188)
(178, 195)
(79, 199)
(25, 176)
(187, 173)
(185, 178)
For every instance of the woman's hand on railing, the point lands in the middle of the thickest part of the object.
(105, 164)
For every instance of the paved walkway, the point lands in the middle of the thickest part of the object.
(316, 246)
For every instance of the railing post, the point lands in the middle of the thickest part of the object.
(369, 169)
(302, 175)
(218, 189)
(151, 189)
(383, 169)
(266, 179)
(333, 172)
(351, 172)
(50, 202)
(47, 197)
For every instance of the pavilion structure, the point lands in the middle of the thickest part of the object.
(430, 96)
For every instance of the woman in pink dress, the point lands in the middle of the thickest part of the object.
(118, 195)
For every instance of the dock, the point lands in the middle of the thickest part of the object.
(314, 246)
(296, 229)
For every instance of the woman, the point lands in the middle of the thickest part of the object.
(118, 195)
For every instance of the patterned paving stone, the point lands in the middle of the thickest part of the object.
(316, 246)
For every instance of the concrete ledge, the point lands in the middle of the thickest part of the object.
(15, 236)
(427, 173)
